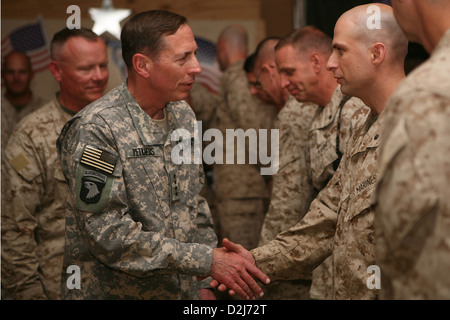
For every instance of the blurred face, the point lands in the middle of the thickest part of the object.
(17, 74)
(82, 71)
(297, 73)
(174, 73)
(350, 61)
(256, 88)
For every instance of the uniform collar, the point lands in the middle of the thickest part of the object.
(149, 131)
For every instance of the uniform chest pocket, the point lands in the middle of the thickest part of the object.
(147, 187)
(321, 159)
(360, 201)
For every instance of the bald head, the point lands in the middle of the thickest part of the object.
(232, 45)
(265, 52)
(235, 36)
(372, 23)
(19, 58)
(17, 74)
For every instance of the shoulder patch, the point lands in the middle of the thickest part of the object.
(93, 190)
(99, 159)
(20, 162)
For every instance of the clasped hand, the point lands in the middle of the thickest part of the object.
(233, 268)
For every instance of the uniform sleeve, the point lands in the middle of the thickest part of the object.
(295, 253)
(413, 200)
(110, 233)
(205, 231)
(21, 200)
(292, 190)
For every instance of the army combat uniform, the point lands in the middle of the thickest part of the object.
(339, 222)
(413, 195)
(135, 226)
(34, 206)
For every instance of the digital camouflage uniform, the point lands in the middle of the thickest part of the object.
(290, 185)
(413, 194)
(34, 206)
(135, 225)
(323, 160)
(242, 193)
(339, 222)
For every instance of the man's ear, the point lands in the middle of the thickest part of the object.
(377, 53)
(56, 71)
(142, 65)
(270, 69)
(316, 62)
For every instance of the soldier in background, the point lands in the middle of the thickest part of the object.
(412, 218)
(34, 209)
(291, 181)
(136, 225)
(204, 103)
(241, 192)
(18, 100)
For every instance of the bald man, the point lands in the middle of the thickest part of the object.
(340, 221)
(232, 46)
(18, 100)
(413, 194)
(241, 192)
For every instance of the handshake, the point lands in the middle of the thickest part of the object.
(233, 268)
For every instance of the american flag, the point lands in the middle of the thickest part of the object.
(31, 40)
(206, 56)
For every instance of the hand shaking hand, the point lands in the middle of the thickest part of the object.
(233, 267)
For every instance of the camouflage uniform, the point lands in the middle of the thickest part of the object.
(413, 206)
(242, 193)
(11, 115)
(339, 222)
(204, 104)
(34, 206)
(135, 225)
(291, 182)
(290, 185)
(323, 161)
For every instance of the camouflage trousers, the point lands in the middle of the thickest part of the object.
(288, 290)
(240, 220)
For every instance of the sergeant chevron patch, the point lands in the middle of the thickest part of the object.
(99, 159)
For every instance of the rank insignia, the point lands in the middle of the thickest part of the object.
(99, 159)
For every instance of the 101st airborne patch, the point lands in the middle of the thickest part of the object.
(94, 180)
